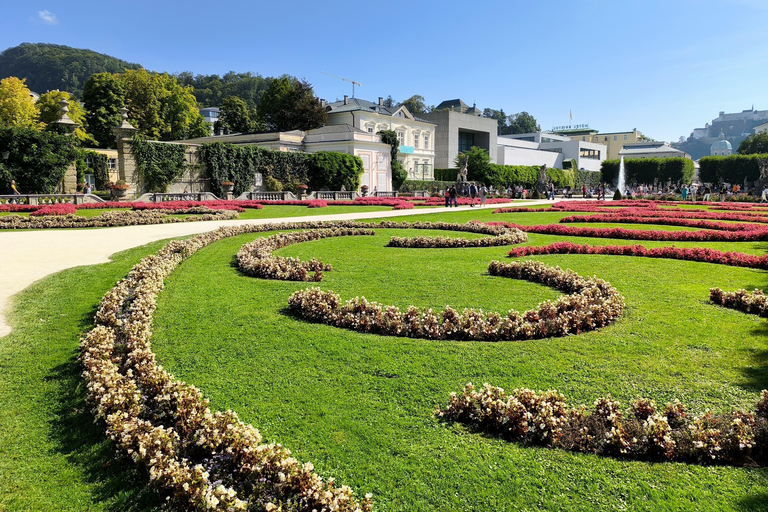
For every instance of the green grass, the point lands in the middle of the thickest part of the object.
(360, 406)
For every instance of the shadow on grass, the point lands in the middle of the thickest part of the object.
(756, 375)
(116, 481)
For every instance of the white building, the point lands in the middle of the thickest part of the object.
(548, 149)
(416, 136)
(652, 149)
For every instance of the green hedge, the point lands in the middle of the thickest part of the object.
(446, 175)
(431, 186)
(37, 160)
(645, 170)
(730, 169)
(333, 170)
(239, 164)
(589, 178)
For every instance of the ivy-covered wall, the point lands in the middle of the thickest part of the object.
(158, 164)
(239, 164)
(37, 160)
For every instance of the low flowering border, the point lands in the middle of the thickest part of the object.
(754, 303)
(54, 209)
(256, 259)
(735, 259)
(760, 234)
(644, 432)
(199, 459)
(114, 218)
(590, 304)
(501, 236)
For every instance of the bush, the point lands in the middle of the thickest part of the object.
(645, 170)
(272, 185)
(617, 195)
(333, 170)
(446, 175)
(730, 169)
(37, 161)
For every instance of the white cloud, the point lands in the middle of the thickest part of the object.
(47, 17)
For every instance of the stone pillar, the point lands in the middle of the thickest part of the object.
(126, 165)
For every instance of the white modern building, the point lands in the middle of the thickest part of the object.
(542, 148)
(652, 149)
(416, 136)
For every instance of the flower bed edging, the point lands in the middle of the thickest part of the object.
(590, 304)
(646, 432)
(755, 303)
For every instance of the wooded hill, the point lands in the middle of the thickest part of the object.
(51, 66)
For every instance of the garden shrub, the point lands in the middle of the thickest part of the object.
(37, 160)
(730, 169)
(448, 175)
(645, 170)
(333, 171)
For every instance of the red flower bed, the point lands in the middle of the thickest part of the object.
(317, 203)
(55, 209)
(629, 234)
(18, 208)
(735, 259)
(620, 218)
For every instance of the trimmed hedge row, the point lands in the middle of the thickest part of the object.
(730, 169)
(646, 170)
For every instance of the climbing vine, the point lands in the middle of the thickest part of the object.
(159, 164)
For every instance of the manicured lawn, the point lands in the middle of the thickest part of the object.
(360, 406)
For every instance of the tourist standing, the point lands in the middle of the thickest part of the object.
(472, 194)
(453, 196)
(551, 192)
(584, 191)
(764, 196)
(483, 194)
(447, 197)
(707, 193)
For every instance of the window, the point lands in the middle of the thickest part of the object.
(625, 136)
(466, 141)
(112, 164)
(416, 141)
(615, 138)
(583, 138)
(401, 138)
(370, 130)
(606, 139)
(426, 141)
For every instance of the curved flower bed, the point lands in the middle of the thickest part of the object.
(664, 220)
(644, 432)
(54, 209)
(590, 304)
(256, 258)
(114, 218)
(201, 460)
(656, 235)
(503, 236)
(673, 214)
(735, 259)
(754, 303)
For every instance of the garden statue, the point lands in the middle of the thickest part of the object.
(461, 177)
(541, 181)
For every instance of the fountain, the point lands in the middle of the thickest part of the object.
(622, 178)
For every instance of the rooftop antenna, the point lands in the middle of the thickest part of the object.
(346, 80)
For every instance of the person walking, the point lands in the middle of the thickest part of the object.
(764, 196)
(12, 190)
(447, 197)
(551, 191)
(472, 194)
(453, 196)
(483, 195)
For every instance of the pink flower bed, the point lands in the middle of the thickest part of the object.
(317, 203)
(623, 218)
(735, 259)
(55, 209)
(20, 208)
(656, 235)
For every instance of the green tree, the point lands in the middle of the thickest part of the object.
(17, 108)
(236, 117)
(290, 104)
(500, 117)
(523, 122)
(389, 102)
(754, 144)
(36, 160)
(103, 97)
(399, 174)
(478, 164)
(49, 107)
(415, 105)
(160, 108)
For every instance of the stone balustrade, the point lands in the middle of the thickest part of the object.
(38, 199)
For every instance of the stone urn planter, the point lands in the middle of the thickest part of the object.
(301, 191)
(119, 190)
(227, 187)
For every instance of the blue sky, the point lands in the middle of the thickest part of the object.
(663, 67)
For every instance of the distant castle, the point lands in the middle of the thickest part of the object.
(732, 126)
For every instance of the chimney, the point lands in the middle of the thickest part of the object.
(381, 101)
(322, 103)
(346, 99)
